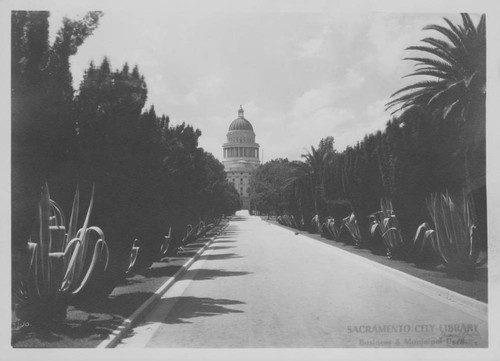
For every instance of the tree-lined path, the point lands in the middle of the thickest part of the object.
(260, 285)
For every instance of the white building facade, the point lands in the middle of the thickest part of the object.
(241, 156)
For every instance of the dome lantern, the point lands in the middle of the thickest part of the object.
(241, 123)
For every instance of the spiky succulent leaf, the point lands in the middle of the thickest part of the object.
(99, 260)
(75, 209)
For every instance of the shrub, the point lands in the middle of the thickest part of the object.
(62, 266)
(378, 246)
(330, 229)
(455, 236)
(385, 224)
(424, 252)
(351, 225)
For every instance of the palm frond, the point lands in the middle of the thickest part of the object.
(481, 27)
(417, 98)
(428, 72)
(447, 48)
(446, 32)
(435, 51)
(408, 104)
(451, 109)
(451, 91)
(458, 30)
(439, 65)
(469, 25)
(422, 84)
(440, 44)
(409, 96)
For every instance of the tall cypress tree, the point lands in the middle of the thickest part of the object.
(42, 127)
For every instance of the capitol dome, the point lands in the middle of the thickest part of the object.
(240, 123)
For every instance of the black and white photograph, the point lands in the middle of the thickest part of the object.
(271, 180)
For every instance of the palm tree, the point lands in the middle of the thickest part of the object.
(458, 71)
(454, 88)
(311, 173)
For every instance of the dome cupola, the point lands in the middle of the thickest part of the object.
(240, 123)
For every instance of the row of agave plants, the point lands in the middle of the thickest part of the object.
(66, 262)
(451, 241)
(192, 233)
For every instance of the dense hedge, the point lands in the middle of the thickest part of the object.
(149, 175)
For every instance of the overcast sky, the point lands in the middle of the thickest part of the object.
(300, 76)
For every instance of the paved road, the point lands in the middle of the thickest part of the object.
(260, 285)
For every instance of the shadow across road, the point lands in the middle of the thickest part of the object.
(187, 307)
(215, 248)
(221, 256)
(228, 236)
(210, 274)
(228, 240)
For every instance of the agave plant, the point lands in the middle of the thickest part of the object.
(301, 224)
(424, 250)
(378, 246)
(316, 224)
(38, 294)
(211, 225)
(61, 264)
(204, 227)
(86, 253)
(288, 220)
(351, 224)
(165, 246)
(134, 255)
(200, 229)
(329, 229)
(386, 225)
(455, 237)
(192, 232)
(190, 235)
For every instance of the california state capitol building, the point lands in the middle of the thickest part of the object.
(241, 156)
